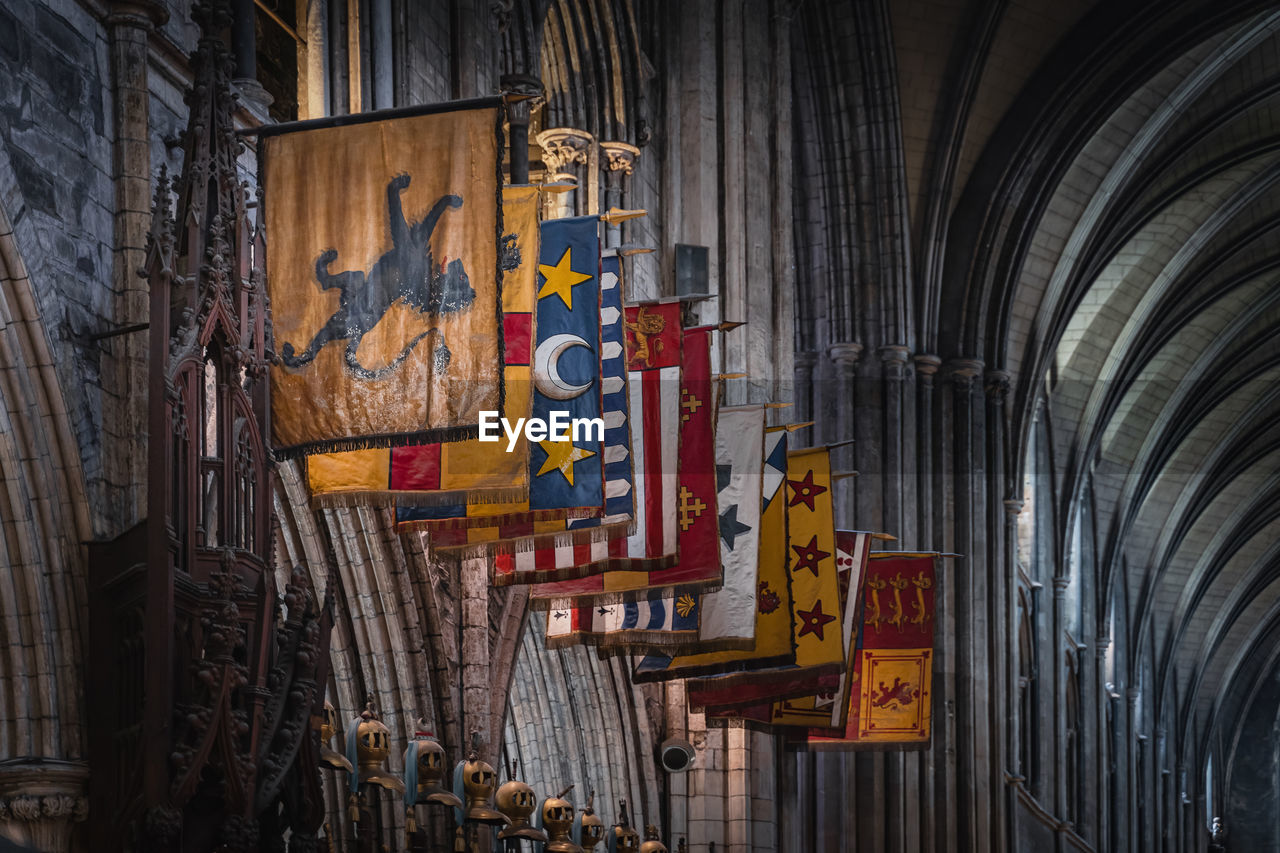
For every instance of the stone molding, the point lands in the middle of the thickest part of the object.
(41, 800)
(620, 156)
(563, 147)
(845, 355)
(927, 365)
(964, 371)
(997, 385)
(143, 14)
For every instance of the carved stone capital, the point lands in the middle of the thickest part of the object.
(1132, 695)
(893, 355)
(1060, 585)
(1013, 507)
(997, 385)
(40, 800)
(963, 372)
(845, 355)
(619, 156)
(500, 15)
(927, 365)
(563, 147)
(141, 14)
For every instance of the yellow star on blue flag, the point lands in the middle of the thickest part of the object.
(560, 457)
(560, 279)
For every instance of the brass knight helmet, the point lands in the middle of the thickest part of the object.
(478, 782)
(652, 844)
(368, 745)
(625, 839)
(558, 819)
(328, 728)
(589, 830)
(423, 771)
(518, 802)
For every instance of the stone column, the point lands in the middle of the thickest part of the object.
(896, 490)
(565, 153)
(476, 683)
(1060, 756)
(1103, 748)
(1134, 822)
(383, 59)
(244, 46)
(1001, 586)
(128, 26)
(971, 616)
(844, 358)
(802, 392)
(313, 60)
(1012, 509)
(42, 801)
(618, 163)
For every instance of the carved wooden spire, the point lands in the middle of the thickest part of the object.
(208, 691)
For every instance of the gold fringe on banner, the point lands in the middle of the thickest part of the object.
(386, 497)
(435, 525)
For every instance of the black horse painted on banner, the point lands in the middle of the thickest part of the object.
(405, 274)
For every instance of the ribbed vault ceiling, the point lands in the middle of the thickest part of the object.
(1147, 317)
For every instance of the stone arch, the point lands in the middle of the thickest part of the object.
(44, 525)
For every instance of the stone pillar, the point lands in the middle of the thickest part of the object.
(1012, 509)
(1134, 822)
(938, 778)
(896, 489)
(1001, 586)
(313, 60)
(1103, 748)
(383, 59)
(42, 801)
(476, 683)
(125, 465)
(618, 164)
(1060, 584)
(565, 153)
(844, 358)
(244, 47)
(970, 613)
(802, 392)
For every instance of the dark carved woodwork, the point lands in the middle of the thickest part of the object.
(206, 687)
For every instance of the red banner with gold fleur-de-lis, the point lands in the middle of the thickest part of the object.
(675, 492)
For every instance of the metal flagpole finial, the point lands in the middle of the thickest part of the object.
(614, 215)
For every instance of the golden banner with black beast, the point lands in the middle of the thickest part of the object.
(383, 268)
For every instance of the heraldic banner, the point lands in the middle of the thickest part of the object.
(890, 694)
(454, 476)
(384, 268)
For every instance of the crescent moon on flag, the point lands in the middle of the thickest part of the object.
(546, 367)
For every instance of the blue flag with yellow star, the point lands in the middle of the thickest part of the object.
(567, 470)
